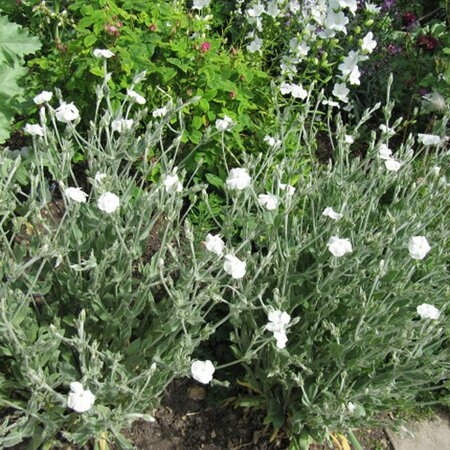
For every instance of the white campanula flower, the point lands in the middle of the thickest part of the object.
(76, 194)
(352, 5)
(234, 266)
(33, 129)
(172, 183)
(138, 98)
(160, 112)
(418, 247)
(427, 311)
(200, 4)
(255, 45)
(349, 66)
(331, 213)
(339, 247)
(214, 244)
(368, 43)
(372, 9)
(278, 322)
(290, 190)
(121, 125)
(392, 165)
(341, 91)
(108, 202)
(202, 371)
(336, 21)
(102, 53)
(224, 124)
(238, 179)
(255, 11)
(270, 201)
(67, 112)
(272, 9)
(43, 97)
(429, 139)
(384, 152)
(80, 399)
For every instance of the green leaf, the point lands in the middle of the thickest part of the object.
(15, 40)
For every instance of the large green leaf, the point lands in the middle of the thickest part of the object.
(15, 41)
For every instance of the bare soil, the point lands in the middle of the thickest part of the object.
(187, 421)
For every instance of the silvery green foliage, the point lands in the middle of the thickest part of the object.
(102, 301)
(348, 282)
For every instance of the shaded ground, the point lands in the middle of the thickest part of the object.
(186, 422)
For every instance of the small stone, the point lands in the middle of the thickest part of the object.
(196, 393)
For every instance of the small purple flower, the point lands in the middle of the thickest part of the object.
(387, 5)
(393, 49)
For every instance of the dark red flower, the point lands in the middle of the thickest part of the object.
(409, 19)
(427, 42)
(204, 47)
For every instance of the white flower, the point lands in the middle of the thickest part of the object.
(336, 21)
(214, 244)
(368, 43)
(224, 124)
(255, 45)
(341, 91)
(386, 130)
(384, 152)
(434, 102)
(418, 247)
(160, 112)
(67, 112)
(349, 66)
(290, 190)
(138, 98)
(339, 247)
(348, 139)
(278, 322)
(350, 4)
(296, 90)
(427, 311)
(372, 9)
(272, 142)
(202, 371)
(108, 202)
(102, 53)
(234, 266)
(43, 97)
(436, 170)
(256, 11)
(80, 399)
(331, 213)
(429, 139)
(33, 129)
(99, 177)
(172, 183)
(238, 179)
(351, 407)
(392, 165)
(121, 125)
(200, 4)
(270, 201)
(76, 194)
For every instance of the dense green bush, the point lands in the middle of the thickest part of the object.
(244, 191)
